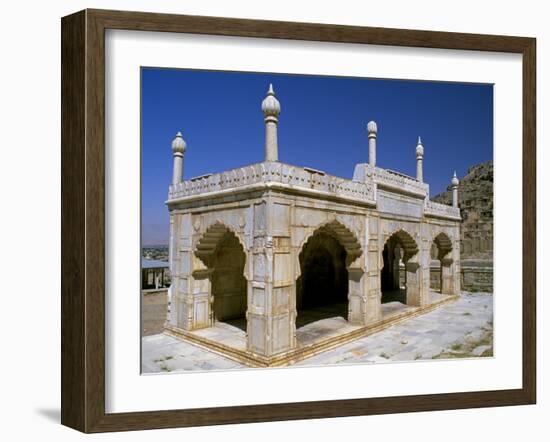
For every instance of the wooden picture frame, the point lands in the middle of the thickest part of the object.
(83, 220)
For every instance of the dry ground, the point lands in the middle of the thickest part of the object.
(153, 312)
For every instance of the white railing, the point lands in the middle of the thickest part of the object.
(400, 182)
(269, 172)
(436, 209)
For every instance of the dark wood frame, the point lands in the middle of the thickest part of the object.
(83, 216)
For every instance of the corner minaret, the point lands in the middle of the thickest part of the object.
(271, 109)
(372, 129)
(419, 158)
(178, 149)
(454, 187)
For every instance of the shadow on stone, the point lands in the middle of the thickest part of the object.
(394, 296)
(324, 312)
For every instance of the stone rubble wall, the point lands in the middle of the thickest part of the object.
(475, 198)
(475, 276)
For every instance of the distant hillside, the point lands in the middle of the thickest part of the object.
(475, 198)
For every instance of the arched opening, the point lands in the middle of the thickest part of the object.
(328, 265)
(224, 257)
(228, 282)
(398, 277)
(322, 288)
(442, 280)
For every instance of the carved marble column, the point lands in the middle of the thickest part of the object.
(414, 282)
(447, 280)
(271, 313)
(373, 265)
(457, 278)
(191, 286)
(357, 294)
(396, 259)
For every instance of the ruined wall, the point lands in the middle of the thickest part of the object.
(475, 199)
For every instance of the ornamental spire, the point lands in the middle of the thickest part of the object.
(179, 146)
(372, 130)
(419, 160)
(454, 187)
(271, 109)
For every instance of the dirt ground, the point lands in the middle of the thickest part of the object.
(153, 312)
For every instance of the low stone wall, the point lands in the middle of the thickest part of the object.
(476, 275)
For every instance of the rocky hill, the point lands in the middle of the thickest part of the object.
(475, 198)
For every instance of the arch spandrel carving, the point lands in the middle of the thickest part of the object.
(205, 246)
(407, 243)
(444, 245)
(345, 236)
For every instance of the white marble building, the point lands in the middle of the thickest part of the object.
(269, 242)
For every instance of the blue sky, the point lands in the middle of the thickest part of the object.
(322, 125)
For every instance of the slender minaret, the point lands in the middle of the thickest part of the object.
(419, 158)
(178, 149)
(372, 129)
(271, 109)
(454, 187)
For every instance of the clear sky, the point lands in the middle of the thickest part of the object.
(322, 125)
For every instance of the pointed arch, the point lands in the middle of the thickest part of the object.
(400, 247)
(343, 235)
(206, 246)
(406, 241)
(444, 244)
(225, 258)
(324, 275)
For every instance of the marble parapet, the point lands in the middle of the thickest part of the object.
(273, 174)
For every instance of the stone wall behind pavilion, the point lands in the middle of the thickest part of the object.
(475, 199)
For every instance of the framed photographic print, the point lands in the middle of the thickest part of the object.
(269, 220)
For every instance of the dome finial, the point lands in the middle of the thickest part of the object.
(454, 179)
(178, 144)
(271, 106)
(419, 148)
(372, 128)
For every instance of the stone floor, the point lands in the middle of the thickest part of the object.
(305, 317)
(460, 329)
